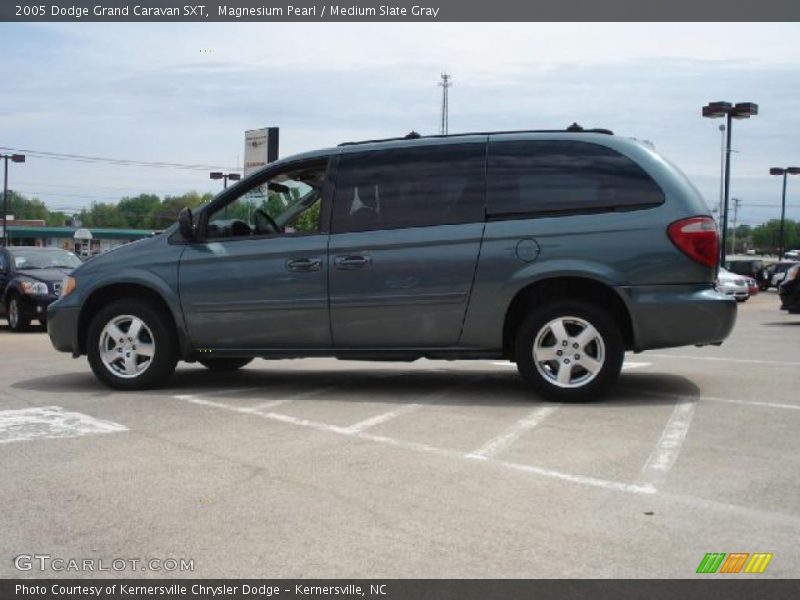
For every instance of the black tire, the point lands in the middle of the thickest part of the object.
(165, 346)
(610, 348)
(224, 364)
(17, 322)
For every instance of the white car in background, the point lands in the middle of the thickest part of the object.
(733, 285)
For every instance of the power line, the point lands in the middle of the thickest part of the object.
(122, 162)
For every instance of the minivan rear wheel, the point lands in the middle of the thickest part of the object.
(224, 364)
(131, 346)
(569, 351)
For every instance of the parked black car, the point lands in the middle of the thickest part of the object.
(789, 290)
(30, 279)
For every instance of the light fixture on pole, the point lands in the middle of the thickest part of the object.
(716, 110)
(17, 158)
(784, 172)
(225, 177)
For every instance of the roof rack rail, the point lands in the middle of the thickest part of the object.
(413, 135)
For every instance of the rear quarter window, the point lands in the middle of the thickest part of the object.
(551, 177)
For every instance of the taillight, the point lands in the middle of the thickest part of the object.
(696, 237)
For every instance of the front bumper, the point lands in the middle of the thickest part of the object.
(34, 306)
(62, 327)
(666, 316)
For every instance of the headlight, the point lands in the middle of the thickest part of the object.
(34, 287)
(67, 286)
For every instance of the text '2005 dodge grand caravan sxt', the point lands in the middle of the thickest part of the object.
(557, 250)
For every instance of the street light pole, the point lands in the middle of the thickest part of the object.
(224, 177)
(17, 158)
(727, 186)
(740, 110)
(785, 172)
(722, 130)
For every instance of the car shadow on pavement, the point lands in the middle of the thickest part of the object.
(33, 328)
(782, 323)
(458, 387)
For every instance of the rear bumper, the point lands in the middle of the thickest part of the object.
(62, 327)
(666, 316)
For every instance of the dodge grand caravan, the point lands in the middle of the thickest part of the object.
(557, 250)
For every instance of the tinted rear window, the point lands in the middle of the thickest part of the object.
(560, 176)
(410, 187)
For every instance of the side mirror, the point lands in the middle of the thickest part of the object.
(186, 224)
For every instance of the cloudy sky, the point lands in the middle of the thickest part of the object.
(185, 93)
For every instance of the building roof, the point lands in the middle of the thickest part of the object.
(107, 233)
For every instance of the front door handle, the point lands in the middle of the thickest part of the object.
(350, 262)
(304, 264)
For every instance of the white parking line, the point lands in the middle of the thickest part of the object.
(627, 365)
(409, 408)
(291, 398)
(383, 418)
(714, 399)
(509, 436)
(753, 361)
(669, 446)
(417, 447)
(50, 422)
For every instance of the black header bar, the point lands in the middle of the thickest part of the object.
(399, 10)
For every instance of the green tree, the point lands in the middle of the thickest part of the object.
(166, 213)
(25, 208)
(766, 237)
(135, 210)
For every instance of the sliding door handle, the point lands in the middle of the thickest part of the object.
(304, 264)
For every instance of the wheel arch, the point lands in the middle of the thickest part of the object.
(571, 287)
(105, 294)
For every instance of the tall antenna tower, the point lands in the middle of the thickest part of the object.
(445, 83)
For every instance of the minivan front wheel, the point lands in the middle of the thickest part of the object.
(131, 346)
(569, 351)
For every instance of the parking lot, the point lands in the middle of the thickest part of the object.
(324, 468)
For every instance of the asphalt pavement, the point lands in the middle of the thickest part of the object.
(325, 468)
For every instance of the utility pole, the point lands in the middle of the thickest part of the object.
(736, 203)
(445, 84)
(17, 158)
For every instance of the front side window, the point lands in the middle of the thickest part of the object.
(529, 177)
(409, 187)
(289, 203)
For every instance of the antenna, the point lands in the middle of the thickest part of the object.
(445, 83)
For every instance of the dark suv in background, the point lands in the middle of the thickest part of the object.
(30, 279)
(558, 250)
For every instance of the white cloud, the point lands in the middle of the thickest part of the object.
(186, 93)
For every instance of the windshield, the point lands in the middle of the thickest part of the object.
(43, 258)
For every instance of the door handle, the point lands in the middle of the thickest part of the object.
(351, 262)
(304, 264)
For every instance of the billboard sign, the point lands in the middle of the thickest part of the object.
(260, 148)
